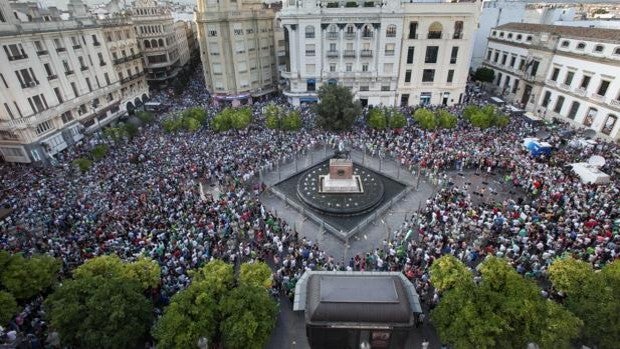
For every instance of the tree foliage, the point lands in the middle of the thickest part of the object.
(292, 121)
(503, 310)
(99, 152)
(425, 119)
(190, 120)
(447, 272)
(213, 307)
(83, 164)
(8, 307)
(145, 272)
(336, 109)
(381, 118)
(145, 116)
(25, 278)
(594, 297)
(376, 119)
(484, 74)
(445, 119)
(100, 312)
(232, 119)
(485, 117)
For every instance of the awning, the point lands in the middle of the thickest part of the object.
(308, 99)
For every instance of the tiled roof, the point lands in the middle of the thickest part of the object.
(565, 31)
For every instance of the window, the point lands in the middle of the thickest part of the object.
(75, 90)
(4, 81)
(504, 58)
(95, 40)
(408, 75)
(569, 78)
(554, 74)
(58, 94)
(434, 30)
(388, 68)
(572, 112)
(489, 53)
(617, 51)
(529, 38)
(385, 88)
(590, 116)
(389, 49)
(602, 89)
(14, 52)
(364, 67)
(431, 54)
(310, 85)
(66, 117)
(450, 75)
(534, 70)
(558, 104)
(454, 54)
(410, 51)
(364, 88)
(391, 31)
(26, 78)
(309, 32)
(598, 48)
(509, 35)
(212, 33)
(609, 124)
(585, 81)
(310, 51)
(458, 30)
(515, 86)
(428, 75)
(565, 43)
(581, 46)
(501, 34)
(8, 110)
(413, 30)
(519, 37)
(496, 57)
(367, 32)
(107, 78)
(546, 99)
(332, 68)
(349, 67)
(43, 127)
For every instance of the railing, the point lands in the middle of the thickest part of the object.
(413, 36)
(564, 87)
(350, 35)
(581, 91)
(389, 52)
(83, 68)
(17, 57)
(75, 47)
(367, 35)
(428, 83)
(69, 72)
(457, 36)
(52, 77)
(332, 35)
(551, 82)
(61, 49)
(332, 53)
(434, 35)
(366, 53)
(349, 53)
(42, 52)
(597, 97)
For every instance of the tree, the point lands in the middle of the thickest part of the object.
(230, 118)
(594, 297)
(99, 152)
(255, 274)
(396, 119)
(292, 121)
(249, 317)
(446, 119)
(145, 272)
(447, 272)
(484, 74)
(502, 310)
(242, 118)
(131, 130)
(100, 312)
(25, 278)
(336, 110)
(425, 118)
(145, 116)
(485, 117)
(196, 113)
(83, 164)
(377, 119)
(8, 307)
(273, 116)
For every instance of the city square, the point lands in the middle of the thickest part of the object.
(310, 181)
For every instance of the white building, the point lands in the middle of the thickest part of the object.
(57, 79)
(370, 47)
(564, 72)
(237, 49)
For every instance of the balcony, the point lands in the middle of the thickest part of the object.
(551, 82)
(333, 53)
(413, 36)
(581, 91)
(18, 57)
(367, 35)
(366, 53)
(349, 53)
(29, 84)
(597, 97)
(457, 36)
(42, 52)
(96, 43)
(614, 103)
(75, 47)
(389, 52)
(83, 68)
(52, 77)
(350, 36)
(434, 35)
(61, 49)
(332, 35)
(120, 60)
(69, 72)
(564, 87)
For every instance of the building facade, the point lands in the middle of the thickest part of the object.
(158, 38)
(436, 51)
(379, 50)
(57, 80)
(237, 49)
(563, 72)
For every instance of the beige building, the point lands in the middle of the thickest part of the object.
(236, 41)
(158, 38)
(57, 80)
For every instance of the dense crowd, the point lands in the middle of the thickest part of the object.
(152, 196)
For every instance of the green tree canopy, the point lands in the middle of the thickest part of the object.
(292, 121)
(249, 315)
(592, 296)
(255, 274)
(216, 273)
(502, 310)
(8, 307)
(336, 109)
(484, 74)
(145, 116)
(396, 119)
(145, 272)
(24, 277)
(447, 272)
(425, 119)
(377, 119)
(232, 118)
(485, 117)
(273, 116)
(83, 164)
(445, 119)
(99, 152)
(100, 312)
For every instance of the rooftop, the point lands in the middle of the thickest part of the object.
(564, 31)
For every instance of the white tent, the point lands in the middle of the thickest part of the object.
(590, 174)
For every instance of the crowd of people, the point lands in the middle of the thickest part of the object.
(151, 197)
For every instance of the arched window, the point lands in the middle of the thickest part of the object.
(434, 30)
(458, 30)
(391, 31)
(609, 124)
(147, 44)
(599, 48)
(617, 51)
(309, 32)
(350, 32)
(367, 31)
(581, 46)
(161, 42)
(153, 43)
(332, 32)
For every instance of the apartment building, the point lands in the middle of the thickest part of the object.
(237, 50)
(57, 81)
(387, 52)
(563, 72)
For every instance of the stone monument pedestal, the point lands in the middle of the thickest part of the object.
(340, 178)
